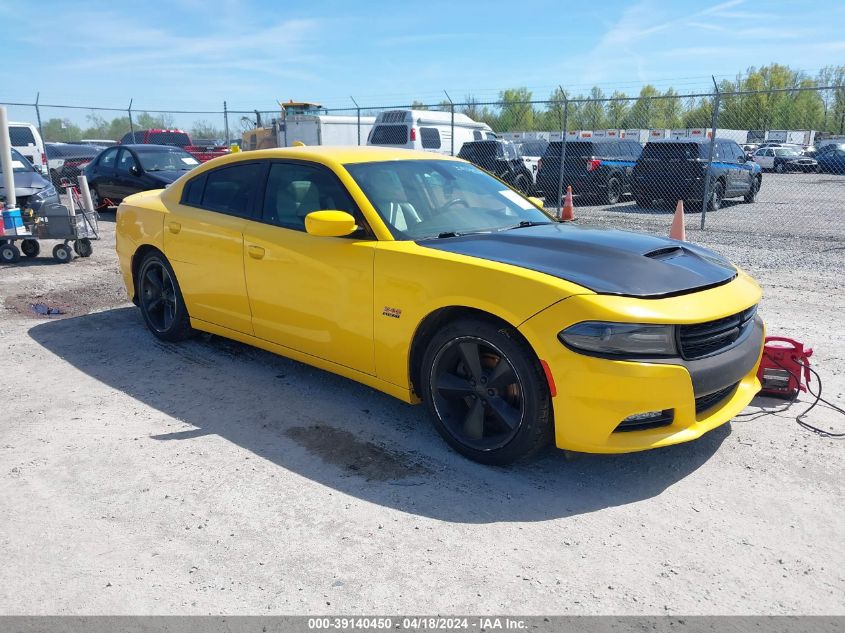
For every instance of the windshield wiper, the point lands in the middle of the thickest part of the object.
(524, 224)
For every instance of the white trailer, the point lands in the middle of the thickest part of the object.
(796, 137)
(679, 133)
(609, 134)
(324, 129)
(655, 134)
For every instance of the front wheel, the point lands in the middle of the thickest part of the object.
(9, 253)
(160, 299)
(779, 168)
(486, 392)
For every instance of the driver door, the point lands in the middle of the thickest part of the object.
(308, 293)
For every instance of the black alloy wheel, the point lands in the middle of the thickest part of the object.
(487, 392)
(160, 299)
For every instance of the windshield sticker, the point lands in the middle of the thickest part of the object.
(16, 164)
(517, 199)
(190, 161)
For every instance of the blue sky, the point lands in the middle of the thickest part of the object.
(193, 54)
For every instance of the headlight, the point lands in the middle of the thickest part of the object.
(621, 339)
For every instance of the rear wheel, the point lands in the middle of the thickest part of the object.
(717, 194)
(30, 248)
(523, 184)
(83, 247)
(486, 391)
(614, 191)
(751, 196)
(160, 299)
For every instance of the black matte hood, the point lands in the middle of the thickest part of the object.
(602, 260)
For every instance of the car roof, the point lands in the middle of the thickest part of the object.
(149, 147)
(333, 154)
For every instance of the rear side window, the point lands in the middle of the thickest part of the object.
(21, 136)
(430, 137)
(389, 135)
(232, 190)
(192, 193)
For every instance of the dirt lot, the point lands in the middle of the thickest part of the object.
(208, 477)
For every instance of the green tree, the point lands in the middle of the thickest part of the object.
(206, 130)
(643, 111)
(591, 113)
(516, 113)
(617, 111)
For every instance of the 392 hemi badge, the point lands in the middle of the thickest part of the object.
(394, 313)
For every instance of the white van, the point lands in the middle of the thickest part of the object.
(26, 139)
(428, 130)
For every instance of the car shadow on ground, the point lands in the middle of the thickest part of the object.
(343, 435)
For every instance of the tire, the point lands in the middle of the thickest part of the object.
(30, 248)
(9, 253)
(490, 415)
(62, 253)
(717, 194)
(779, 168)
(614, 191)
(160, 299)
(751, 196)
(95, 197)
(83, 247)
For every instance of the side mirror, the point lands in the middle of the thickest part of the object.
(536, 202)
(742, 158)
(330, 223)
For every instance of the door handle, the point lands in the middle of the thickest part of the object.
(174, 227)
(256, 252)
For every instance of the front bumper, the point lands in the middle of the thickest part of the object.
(594, 395)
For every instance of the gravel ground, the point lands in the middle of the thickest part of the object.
(139, 477)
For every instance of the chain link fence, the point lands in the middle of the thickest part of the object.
(776, 167)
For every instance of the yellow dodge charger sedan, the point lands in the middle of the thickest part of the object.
(426, 278)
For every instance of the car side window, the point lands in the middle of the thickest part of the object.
(296, 189)
(126, 161)
(770, 152)
(430, 137)
(108, 158)
(232, 189)
(193, 190)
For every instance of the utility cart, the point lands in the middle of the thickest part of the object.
(77, 228)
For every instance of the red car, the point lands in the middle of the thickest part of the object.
(177, 138)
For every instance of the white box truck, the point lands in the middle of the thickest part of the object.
(797, 137)
(324, 129)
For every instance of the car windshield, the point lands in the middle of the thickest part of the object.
(421, 199)
(167, 160)
(19, 163)
(782, 151)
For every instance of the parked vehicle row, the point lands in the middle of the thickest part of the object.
(175, 138)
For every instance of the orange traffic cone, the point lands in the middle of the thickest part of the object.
(678, 232)
(567, 211)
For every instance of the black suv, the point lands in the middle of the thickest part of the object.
(676, 169)
(599, 168)
(501, 159)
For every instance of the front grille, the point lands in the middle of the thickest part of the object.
(703, 403)
(702, 339)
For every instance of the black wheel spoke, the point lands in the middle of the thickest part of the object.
(474, 421)
(471, 356)
(153, 304)
(505, 413)
(153, 280)
(502, 376)
(452, 386)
